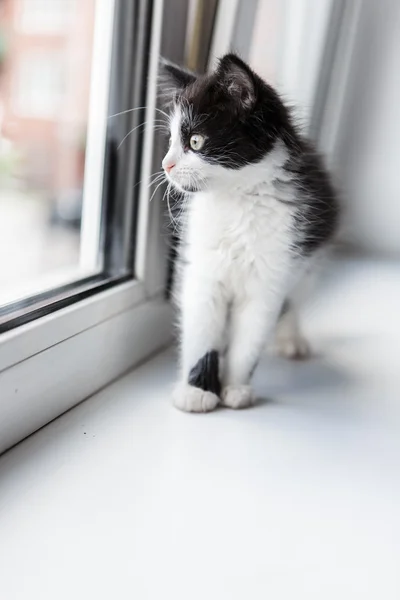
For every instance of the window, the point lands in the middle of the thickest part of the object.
(58, 158)
(45, 148)
(82, 255)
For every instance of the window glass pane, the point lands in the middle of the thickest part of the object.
(48, 77)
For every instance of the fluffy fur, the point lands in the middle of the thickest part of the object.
(258, 208)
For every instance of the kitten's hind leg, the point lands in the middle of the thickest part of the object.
(289, 340)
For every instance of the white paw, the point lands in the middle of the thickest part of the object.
(295, 348)
(237, 396)
(193, 399)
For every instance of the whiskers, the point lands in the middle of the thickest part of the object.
(176, 207)
(129, 110)
(160, 124)
(157, 180)
(177, 201)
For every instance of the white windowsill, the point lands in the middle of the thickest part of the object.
(125, 497)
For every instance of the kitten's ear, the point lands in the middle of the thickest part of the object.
(237, 80)
(173, 79)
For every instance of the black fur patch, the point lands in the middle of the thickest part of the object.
(205, 374)
(317, 215)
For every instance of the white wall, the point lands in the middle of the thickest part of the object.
(367, 152)
(287, 48)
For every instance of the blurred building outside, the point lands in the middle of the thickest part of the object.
(45, 68)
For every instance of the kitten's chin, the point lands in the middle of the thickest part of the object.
(188, 189)
(191, 190)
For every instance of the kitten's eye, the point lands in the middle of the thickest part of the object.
(197, 142)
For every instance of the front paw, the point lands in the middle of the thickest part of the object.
(193, 399)
(237, 396)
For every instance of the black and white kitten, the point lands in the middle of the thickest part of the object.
(259, 208)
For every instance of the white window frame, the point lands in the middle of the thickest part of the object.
(49, 365)
(96, 135)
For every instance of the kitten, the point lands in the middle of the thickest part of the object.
(259, 207)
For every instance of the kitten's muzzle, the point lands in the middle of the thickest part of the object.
(168, 166)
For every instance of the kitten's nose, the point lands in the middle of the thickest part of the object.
(168, 167)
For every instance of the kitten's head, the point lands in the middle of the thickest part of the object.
(219, 123)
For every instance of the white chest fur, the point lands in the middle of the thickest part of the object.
(236, 238)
